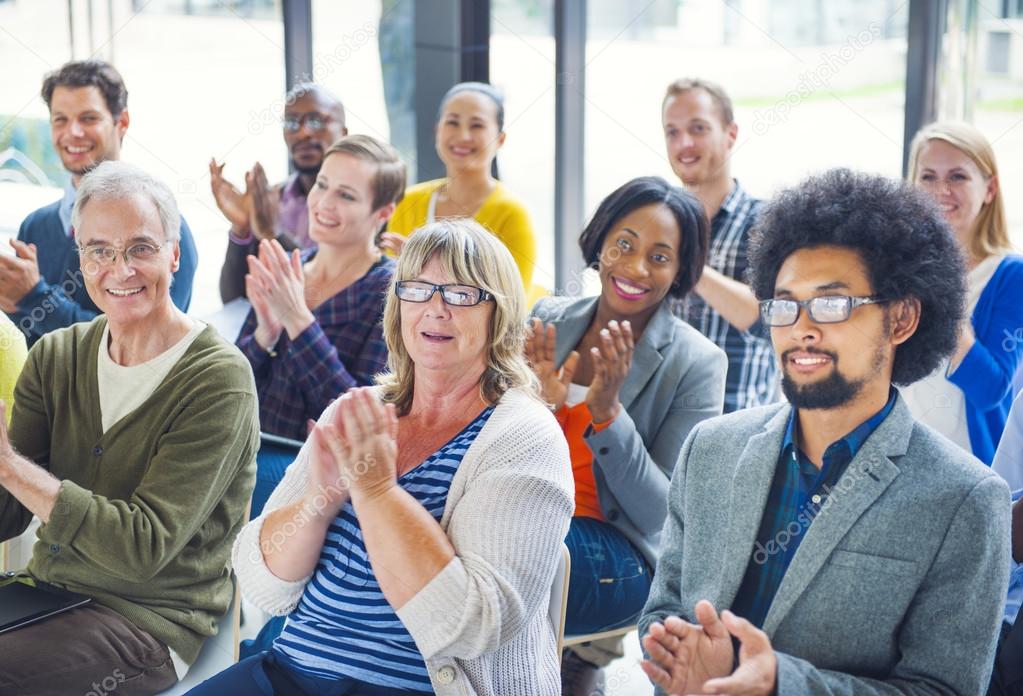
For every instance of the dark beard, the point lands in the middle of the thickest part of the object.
(835, 390)
(829, 393)
(307, 171)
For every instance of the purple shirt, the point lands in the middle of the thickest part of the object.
(343, 348)
(292, 215)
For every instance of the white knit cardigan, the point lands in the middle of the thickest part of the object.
(482, 623)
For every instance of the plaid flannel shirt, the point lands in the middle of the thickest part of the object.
(798, 492)
(343, 348)
(752, 373)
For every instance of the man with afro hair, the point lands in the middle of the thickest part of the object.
(848, 548)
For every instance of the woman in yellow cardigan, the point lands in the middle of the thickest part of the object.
(469, 131)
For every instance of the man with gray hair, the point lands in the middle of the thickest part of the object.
(41, 286)
(120, 444)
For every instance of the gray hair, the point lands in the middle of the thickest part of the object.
(114, 180)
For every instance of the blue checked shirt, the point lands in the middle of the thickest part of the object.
(752, 374)
(343, 348)
(798, 492)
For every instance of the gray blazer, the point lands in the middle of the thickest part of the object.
(677, 380)
(897, 586)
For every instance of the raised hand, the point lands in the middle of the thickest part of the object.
(363, 441)
(684, 656)
(18, 275)
(268, 324)
(326, 489)
(262, 203)
(394, 243)
(232, 202)
(540, 343)
(611, 362)
(282, 282)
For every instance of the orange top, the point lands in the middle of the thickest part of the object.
(574, 421)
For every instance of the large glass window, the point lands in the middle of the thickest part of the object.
(204, 80)
(815, 85)
(522, 65)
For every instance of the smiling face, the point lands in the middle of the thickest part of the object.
(442, 339)
(127, 294)
(82, 129)
(826, 366)
(467, 133)
(639, 261)
(697, 141)
(956, 183)
(307, 145)
(341, 202)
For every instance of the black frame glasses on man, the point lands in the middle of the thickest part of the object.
(454, 294)
(826, 309)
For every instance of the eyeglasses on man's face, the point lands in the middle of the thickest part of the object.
(314, 122)
(827, 309)
(452, 294)
(134, 254)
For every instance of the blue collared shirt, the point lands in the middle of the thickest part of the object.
(798, 492)
(1015, 596)
(64, 209)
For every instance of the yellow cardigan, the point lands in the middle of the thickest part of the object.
(13, 353)
(501, 213)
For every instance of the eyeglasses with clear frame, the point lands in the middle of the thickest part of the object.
(105, 256)
(315, 122)
(827, 309)
(452, 294)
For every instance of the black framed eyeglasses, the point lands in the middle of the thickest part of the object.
(452, 294)
(827, 309)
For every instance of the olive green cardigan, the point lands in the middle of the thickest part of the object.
(147, 511)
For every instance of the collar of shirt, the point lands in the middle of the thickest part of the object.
(736, 196)
(64, 209)
(838, 453)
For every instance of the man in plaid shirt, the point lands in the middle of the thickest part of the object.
(699, 132)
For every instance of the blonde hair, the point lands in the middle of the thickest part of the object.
(717, 94)
(990, 234)
(388, 183)
(472, 256)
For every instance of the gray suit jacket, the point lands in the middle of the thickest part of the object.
(897, 586)
(677, 379)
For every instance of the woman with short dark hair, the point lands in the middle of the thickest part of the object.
(627, 381)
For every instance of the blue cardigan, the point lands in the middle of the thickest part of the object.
(985, 374)
(59, 299)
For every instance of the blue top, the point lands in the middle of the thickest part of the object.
(60, 299)
(344, 627)
(799, 492)
(985, 374)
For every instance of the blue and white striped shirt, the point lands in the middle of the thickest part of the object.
(343, 627)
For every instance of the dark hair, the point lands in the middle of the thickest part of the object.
(717, 94)
(480, 87)
(306, 88)
(89, 73)
(694, 229)
(906, 246)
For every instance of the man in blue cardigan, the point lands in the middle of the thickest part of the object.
(42, 287)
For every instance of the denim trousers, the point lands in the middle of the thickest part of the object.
(270, 674)
(609, 581)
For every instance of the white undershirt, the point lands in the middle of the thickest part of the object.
(431, 207)
(122, 389)
(934, 400)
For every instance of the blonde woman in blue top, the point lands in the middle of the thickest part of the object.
(968, 398)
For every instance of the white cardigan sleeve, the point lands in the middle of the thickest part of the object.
(507, 519)
(258, 584)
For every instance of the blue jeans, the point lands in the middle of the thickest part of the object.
(270, 674)
(609, 581)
